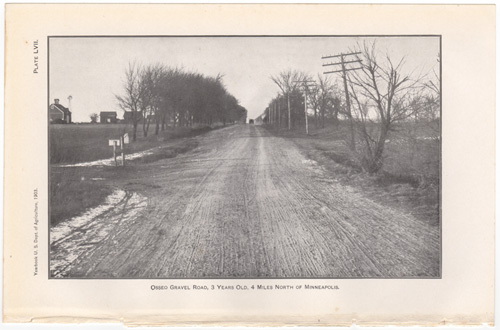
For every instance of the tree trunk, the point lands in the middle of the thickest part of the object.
(157, 129)
(144, 131)
(353, 136)
(348, 105)
(163, 119)
(373, 163)
(323, 118)
(145, 125)
(134, 134)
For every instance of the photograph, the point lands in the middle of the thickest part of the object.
(250, 165)
(244, 157)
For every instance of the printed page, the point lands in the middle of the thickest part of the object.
(249, 165)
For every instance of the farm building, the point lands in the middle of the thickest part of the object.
(108, 117)
(59, 114)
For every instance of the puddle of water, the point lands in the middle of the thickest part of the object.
(313, 166)
(309, 162)
(66, 227)
(110, 161)
(76, 237)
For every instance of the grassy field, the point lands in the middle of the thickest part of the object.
(87, 142)
(410, 176)
(76, 189)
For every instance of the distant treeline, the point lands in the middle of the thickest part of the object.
(158, 96)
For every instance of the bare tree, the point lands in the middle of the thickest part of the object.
(384, 94)
(324, 100)
(286, 81)
(156, 93)
(432, 92)
(130, 100)
(150, 96)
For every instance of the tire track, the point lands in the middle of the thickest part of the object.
(74, 239)
(247, 204)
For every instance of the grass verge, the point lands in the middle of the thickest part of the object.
(71, 144)
(409, 180)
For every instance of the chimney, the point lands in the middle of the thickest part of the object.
(56, 101)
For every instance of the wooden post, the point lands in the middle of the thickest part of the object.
(274, 113)
(348, 103)
(279, 114)
(270, 114)
(344, 70)
(305, 84)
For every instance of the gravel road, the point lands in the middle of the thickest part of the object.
(245, 203)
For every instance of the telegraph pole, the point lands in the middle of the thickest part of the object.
(274, 112)
(279, 113)
(271, 114)
(344, 70)
(306, 84)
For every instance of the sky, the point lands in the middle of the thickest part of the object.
(91, 69)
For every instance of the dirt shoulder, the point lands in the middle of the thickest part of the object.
(395, 191)
(247, 204)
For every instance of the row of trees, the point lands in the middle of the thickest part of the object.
(286, 109)
(158, 96)
(384, 96)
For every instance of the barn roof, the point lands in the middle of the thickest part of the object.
(108, 113)
(61, 107)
